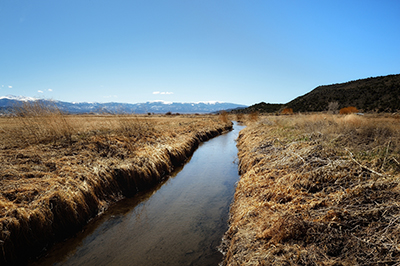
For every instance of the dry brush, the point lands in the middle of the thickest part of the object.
(317, 190)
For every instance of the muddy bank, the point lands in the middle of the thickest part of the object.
(49, 192)
(316, 190)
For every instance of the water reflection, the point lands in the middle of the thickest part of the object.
(180, 222)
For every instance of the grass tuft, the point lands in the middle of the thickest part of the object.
(42, 123)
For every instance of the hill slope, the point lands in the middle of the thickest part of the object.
(381, 94)
(261, 107)
(378, 94)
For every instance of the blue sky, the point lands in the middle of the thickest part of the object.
(192, 50)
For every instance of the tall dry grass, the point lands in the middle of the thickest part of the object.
(223, 115)
(41, 122)
(58, 171)
(317, 190)
(253, 116)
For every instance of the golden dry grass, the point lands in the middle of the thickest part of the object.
(59, 171)
(317, 190)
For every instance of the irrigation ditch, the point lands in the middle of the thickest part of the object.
(26, 235)
(180, 221)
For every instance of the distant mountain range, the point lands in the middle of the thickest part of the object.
(375, 94)
(158, 107)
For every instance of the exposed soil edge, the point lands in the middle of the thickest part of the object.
(64, 217)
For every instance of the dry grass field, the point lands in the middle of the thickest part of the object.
(59, 171)
(317, 190)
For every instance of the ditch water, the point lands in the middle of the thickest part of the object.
(180, 222)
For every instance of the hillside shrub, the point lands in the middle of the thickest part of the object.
(287, 111)
(348, 110)
(333, 107)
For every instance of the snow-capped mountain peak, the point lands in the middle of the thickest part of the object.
(161, 101)
(18, 98)
(209, 102)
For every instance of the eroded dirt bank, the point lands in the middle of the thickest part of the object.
(317, 190)
(51, 186)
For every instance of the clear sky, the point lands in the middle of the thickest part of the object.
(243, 52)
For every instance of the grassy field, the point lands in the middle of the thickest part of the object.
(317, 190)
(59, 171)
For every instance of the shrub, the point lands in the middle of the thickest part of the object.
(333, 107)
(223, 115)
(287, 111)
(239, 117)
(348, 110)
(253, 116)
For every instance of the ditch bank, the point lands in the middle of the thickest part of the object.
(316, 191)
(67, 205)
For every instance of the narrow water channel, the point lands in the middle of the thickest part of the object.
(180, 222)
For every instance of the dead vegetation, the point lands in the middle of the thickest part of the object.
(59, 171)
(317, 190)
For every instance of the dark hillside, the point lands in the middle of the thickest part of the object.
(380, 94)
(261, 107)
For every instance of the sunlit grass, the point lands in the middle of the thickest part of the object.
(317, 190)
(58, 171)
